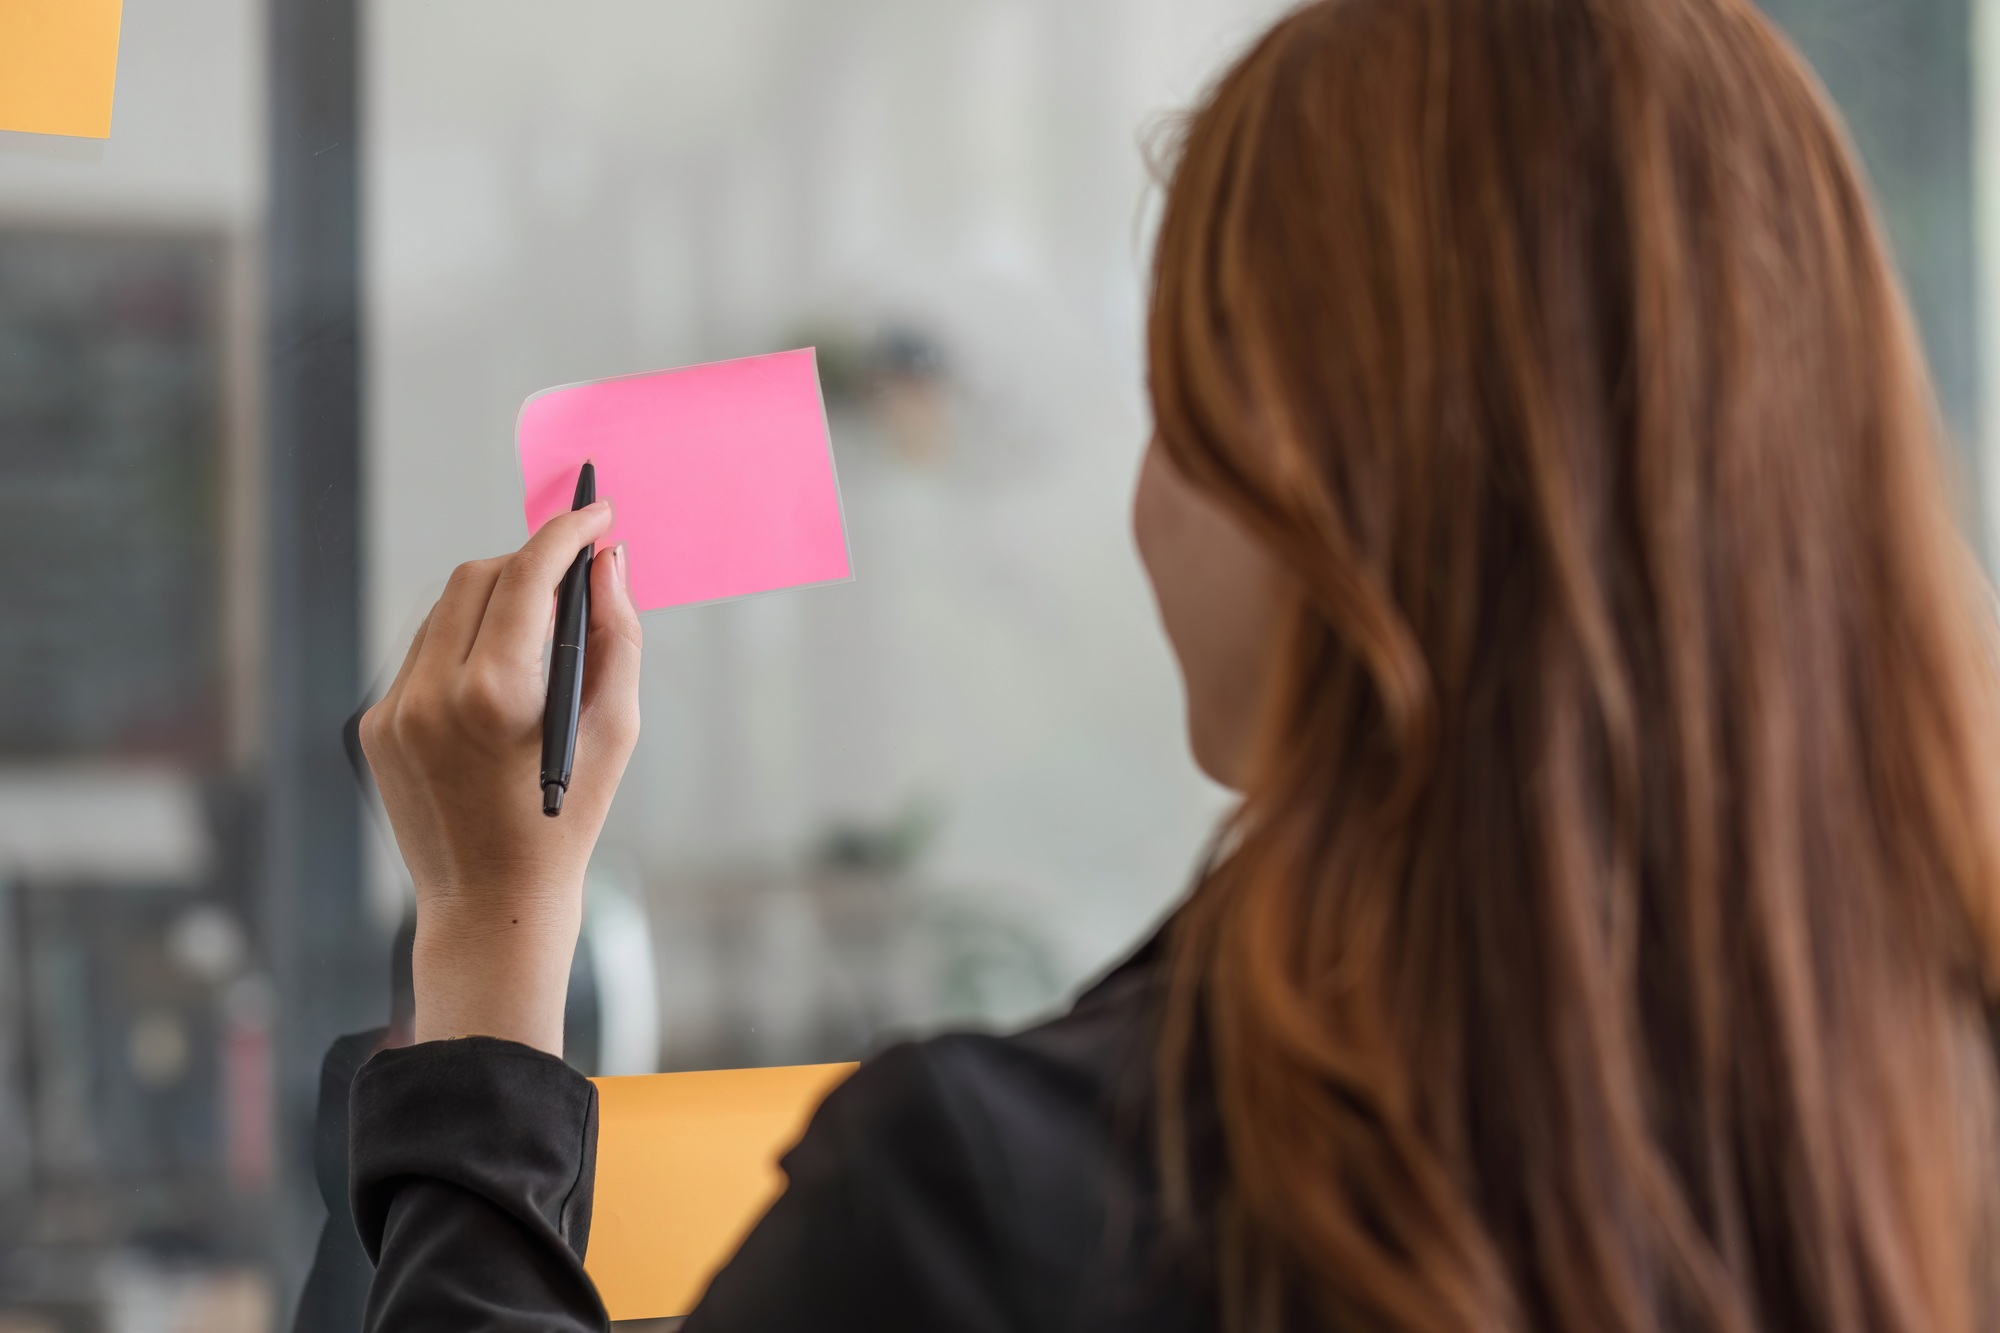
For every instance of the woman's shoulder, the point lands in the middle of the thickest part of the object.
(1077, 1084)
(976, 1180)
(1033, 1147)
(1080, 1079)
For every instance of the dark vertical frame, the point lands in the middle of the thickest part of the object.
(331, 970)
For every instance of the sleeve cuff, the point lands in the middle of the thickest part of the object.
(511, 1124)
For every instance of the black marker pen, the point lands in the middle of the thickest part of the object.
(566, 664)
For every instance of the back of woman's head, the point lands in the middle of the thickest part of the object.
(1605, 936)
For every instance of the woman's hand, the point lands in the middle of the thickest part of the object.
(456, 747)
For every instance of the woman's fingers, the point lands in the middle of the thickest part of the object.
(611, 656)
(409, 658)
(453, 623)
(371, 720)
(517, 616)
(475, 664)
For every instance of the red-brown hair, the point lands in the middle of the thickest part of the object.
(1605, 937)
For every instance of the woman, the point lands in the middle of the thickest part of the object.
(1546, 511)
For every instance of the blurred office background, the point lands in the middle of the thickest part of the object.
(260, 358)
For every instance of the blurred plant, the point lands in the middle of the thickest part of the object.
(887, 849)
(992, 965)
(896, 376)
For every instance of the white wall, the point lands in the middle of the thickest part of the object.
(565, 191)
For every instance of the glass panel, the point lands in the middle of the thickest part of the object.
(945, 793)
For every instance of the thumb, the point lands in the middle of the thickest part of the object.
(611, 678)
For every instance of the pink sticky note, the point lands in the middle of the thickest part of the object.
(721, 476)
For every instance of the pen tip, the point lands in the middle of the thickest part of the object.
(552, 798)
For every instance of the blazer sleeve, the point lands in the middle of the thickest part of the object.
(886, 1223)
(471, 1164)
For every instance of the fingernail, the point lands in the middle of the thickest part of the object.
(604, 504)
(618, 565)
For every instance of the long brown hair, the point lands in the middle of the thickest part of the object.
(1605, 936)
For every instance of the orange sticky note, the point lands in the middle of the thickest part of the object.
(686, 1164)
(58, 65)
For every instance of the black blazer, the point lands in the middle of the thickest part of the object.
(968, 1182)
